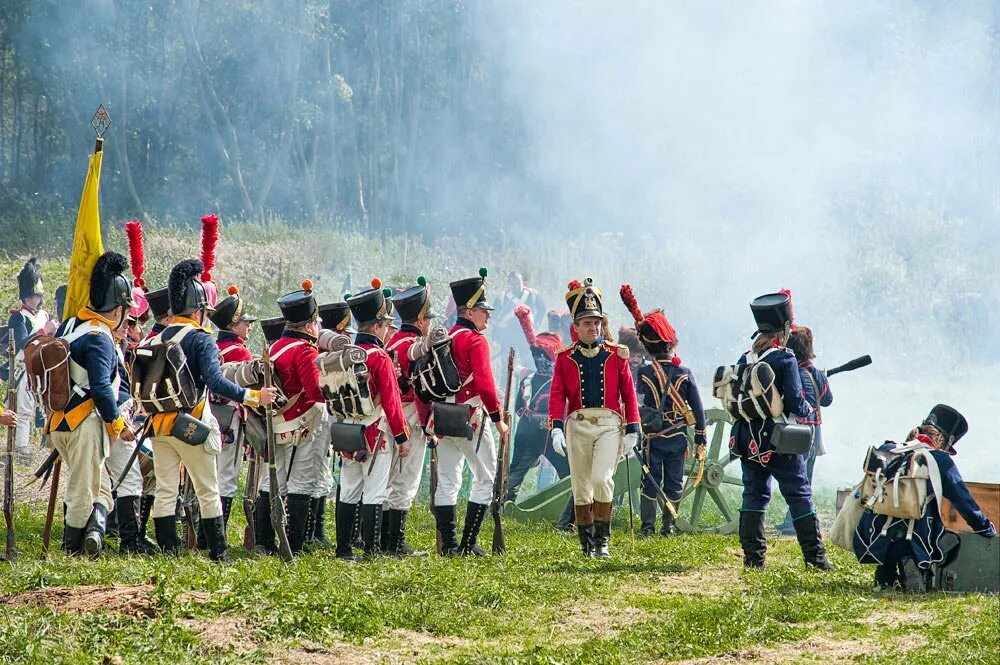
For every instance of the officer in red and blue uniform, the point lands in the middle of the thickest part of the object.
(593, 414)
(531, 404)
(233, 324)
(904, 557)
(414, 308)
(751, 442)
(364, 476)
(471, 353)
(669, 388)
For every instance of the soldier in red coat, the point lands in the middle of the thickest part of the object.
(364, 476)
(591, 405)
(471, 353)
(302, 426)
(233, 324)
(414, 307)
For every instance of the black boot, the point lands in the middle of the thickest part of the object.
(227, 507)
(885, 575)
(602, 536)
(132, 542)
(667, 526)
(319, 526)
(310, 525)
(647, 516)
(263, 529)
(403, 547)
(914, 580)
(215, 533)
(390, 532)
(93, 533)
(298, 514)
(346, 514)
(145, 510)
(446, 522)
(371, 528)
(568, 517)
(474, 515)
(357, 541)
(752, 539)
(586, 534)
(166, 534)
(72, 540)
(111, 528)
(811, 541)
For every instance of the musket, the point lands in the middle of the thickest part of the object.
(661, 495)
(277, 507)
(249, 499)
(850, 366)
(503, 462)
(8, 470)
(188, 501)
(438, 539)
(51, 508)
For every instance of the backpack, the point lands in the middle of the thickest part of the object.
(343, 380)
(896, 481)
(161, 380)
(749, 391)
(433, 372)
(50, 371)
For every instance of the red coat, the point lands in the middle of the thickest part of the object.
(233, 350)
(297, 371)
(606, 379)
(399, 348)
(471, 353)
(384, 389)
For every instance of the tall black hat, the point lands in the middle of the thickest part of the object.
(772, 312)
(29, 280)
(584, 300)
(272, 328)
(230, 311)
(159, 302)
(336, 316)
(108, 287)
(299, 307)
(415, 302)
(187, 293)
(949, 422)
(471, 292)
(371, 305)
(60, 299)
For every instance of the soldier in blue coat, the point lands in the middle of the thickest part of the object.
(751, 441)
(904, 556)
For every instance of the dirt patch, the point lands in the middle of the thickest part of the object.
(894, 618)
(715, 581)
(397, 647)
(223, 633)
(582, 621)
(816, 649)
(130, 600)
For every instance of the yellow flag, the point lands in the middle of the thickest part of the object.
(87, 245)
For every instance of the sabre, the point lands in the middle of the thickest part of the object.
(135, 454)
(661, 495)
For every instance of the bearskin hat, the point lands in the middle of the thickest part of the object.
(180, 277)
(108, 287)
(29, 280)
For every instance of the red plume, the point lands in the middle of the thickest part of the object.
(523, 314)
(575, 284)
(209, 238)
(630, 302)
(137, 257)
(788, 292)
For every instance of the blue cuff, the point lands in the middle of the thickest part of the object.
(632, 428)
(557, 424)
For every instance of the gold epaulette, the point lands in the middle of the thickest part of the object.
(620, 348)
(568, 347)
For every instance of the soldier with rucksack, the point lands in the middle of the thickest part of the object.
(84, 422)
(763, 392)
(172, 376)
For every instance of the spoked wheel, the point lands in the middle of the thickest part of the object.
(692, 517)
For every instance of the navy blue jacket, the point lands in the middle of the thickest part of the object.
(648, 386)
(20, 329)
(202, 355)
(96, 353)
(751, 441)
(875, 532)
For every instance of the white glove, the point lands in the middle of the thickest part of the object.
(559, 442)
(629, 441)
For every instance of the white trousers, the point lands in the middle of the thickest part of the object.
(300, 466)
(25, 418)
(594, 441)
(406, 472)
(226, 466)
(83, 452)
(168, 454)
(453, 452)
(366, 480)
(115, 463)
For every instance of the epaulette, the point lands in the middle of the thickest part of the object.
(568, 347)
(620, 348)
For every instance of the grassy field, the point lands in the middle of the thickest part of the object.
(683, 599)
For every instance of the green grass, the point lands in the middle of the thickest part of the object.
(656, 600)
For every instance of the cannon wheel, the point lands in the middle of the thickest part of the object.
(691, 512)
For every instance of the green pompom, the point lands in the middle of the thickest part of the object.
(347, 296)
(387, 292)
(482, 272)
(421, 281)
